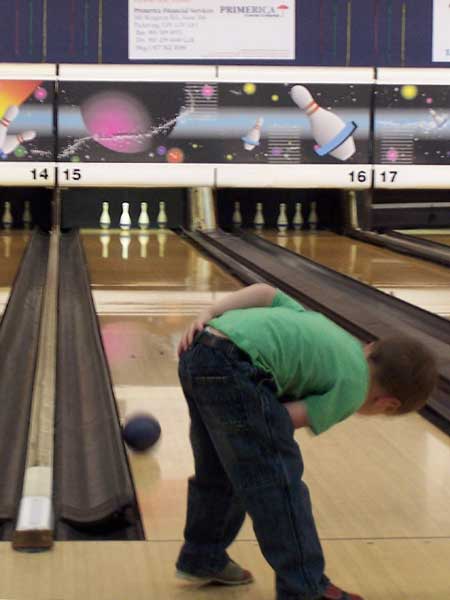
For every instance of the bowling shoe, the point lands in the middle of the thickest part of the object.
(334, 593)
(232, 574)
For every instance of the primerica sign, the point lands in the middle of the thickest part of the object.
(267, 11)
(218, 30)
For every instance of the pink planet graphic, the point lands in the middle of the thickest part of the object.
(118, 121)
(40, 94)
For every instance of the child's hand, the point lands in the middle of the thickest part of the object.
(298, 412)
(195, 327)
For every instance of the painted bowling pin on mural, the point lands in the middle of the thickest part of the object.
(9, 116)
(252, 138)
(440, 120)
(12, 142)
(332, 134)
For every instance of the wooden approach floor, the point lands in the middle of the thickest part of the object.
(380, 488)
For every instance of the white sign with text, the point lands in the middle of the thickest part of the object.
(212, 29)
(441, 31)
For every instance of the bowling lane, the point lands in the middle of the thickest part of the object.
(147, 288)
(144, 304)
(12, 248)
(439, 236)
(410, 279)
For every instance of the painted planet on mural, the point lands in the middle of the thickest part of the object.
(118, 121)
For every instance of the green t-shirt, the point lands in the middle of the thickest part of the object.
(310, 357)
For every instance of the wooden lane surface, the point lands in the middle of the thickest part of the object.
(370, 479)
(141, 323)
(380, 488)
(12, 247)
(410, 279)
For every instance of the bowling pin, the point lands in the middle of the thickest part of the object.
(162, 217)
(105, 219)
(325, 125)
(125, 219)
(7, 245)
(253, 137)
(7, 219)
(13, 141)
(27, 218)
(258, 221)
(237, 217)
(313, 220)
(9, 116)
(125, 241)
(105, 239)
(282, 221)
(143, 241)
(144, 220)
(298, 219)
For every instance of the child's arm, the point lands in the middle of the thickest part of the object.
(259, 294)
(298, 412)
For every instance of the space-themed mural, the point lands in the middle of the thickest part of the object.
(225, 123)
(26, 120)
(254, 123)
(412, 125)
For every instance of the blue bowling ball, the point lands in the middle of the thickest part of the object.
(141, 432)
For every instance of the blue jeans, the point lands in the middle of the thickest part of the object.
(246, 460)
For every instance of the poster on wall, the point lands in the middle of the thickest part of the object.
(26, 121)
(211, 29)
(209, 122)
(441, 31)
(412, 125)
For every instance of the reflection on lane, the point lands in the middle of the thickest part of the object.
(416, 281)
(145, 299)
(438, 236)
(12, 248)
